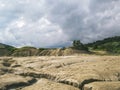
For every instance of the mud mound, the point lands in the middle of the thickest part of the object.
(47, 52)
(6, 50)
(61, 52)
(25, 51)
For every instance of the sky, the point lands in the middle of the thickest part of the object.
(56, 23)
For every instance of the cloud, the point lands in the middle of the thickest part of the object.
(40, 34)
(98, 21)
(50, 23)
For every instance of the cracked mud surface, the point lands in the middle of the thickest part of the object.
(83, 72)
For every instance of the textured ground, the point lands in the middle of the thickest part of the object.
(85, 72)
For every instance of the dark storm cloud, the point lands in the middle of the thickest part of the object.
(32, 22)
(97, 19)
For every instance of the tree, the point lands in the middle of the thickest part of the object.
(78, 45)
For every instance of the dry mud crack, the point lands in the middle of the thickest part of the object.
(57, 73)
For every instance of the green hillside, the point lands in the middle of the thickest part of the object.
(6, 50)
(111, 45)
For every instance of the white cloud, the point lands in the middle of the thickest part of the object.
(42, 33)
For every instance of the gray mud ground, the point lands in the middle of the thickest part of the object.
(85, 72)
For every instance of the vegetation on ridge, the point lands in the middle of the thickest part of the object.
(111, 45)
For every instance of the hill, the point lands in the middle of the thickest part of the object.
(25, 51)
(6, 50)
(31, 51)
(61, 52)
(76, 48)
(111, 45)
